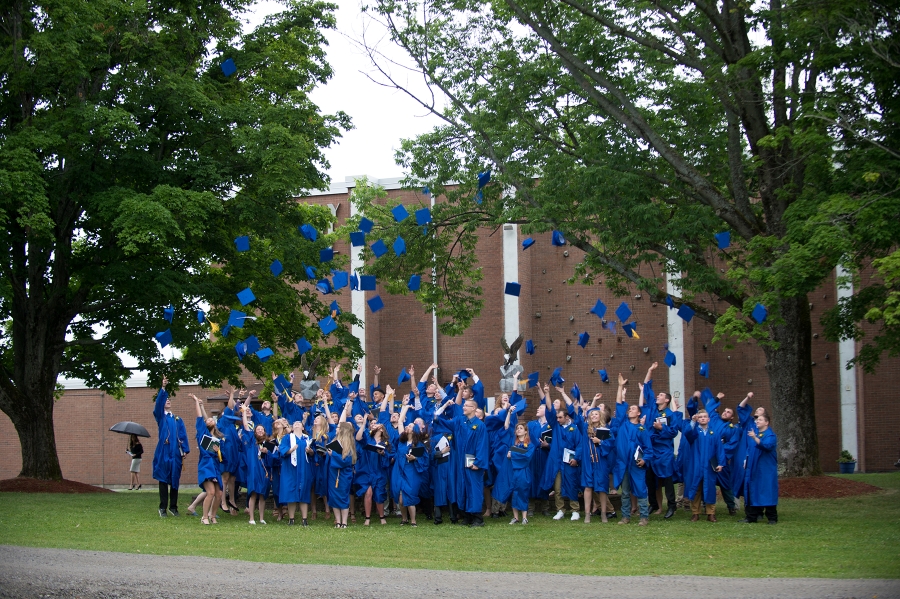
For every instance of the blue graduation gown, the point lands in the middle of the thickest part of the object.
(340, 475)
(471, 438)
(761, 474)
(231, 446)
(538, 460)
(371, 470)
(730, 436)
(564, 437)
(259, 465)
(208, 463)
(443, 474)
(517, 477)
(407, 476)
(265, 420)
(597, 460)
(296, 481)
(704, 446)
(628, 437)
(499, 440)
(746, 423)
(684, 449)
(171, 444)
(663, 441)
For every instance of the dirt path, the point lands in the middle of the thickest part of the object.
(27, 572)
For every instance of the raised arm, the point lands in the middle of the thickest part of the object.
(562, 392)
(245, 415)
(596, 400)
(428, 372)
(744, 401)
(376, 371)
(402, 420)
(345, 411)
(198, 403)
(650, 370)
(620, 392)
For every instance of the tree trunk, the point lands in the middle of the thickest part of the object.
(791, 386)
(38, 441)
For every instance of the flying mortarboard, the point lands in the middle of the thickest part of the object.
(367, 282)
(354, 282)
(415, 282)
(623, 312)
(611, 327)
(327, 325)
(513, 289)
(704, 369)
(479, 197)
(631, 330)
(463, 375)
(326, 254)
(228, 68)
(169, 313)
(555, 378)
(246, 296)
(242, 243)
(252, 344)
(669, 301)
(529, 347)
(324, 287)
(357, 239)
(404, 376)
(365, 225)
(423, 216)
(276, 267)
(164, 338)
(759, 313)
(310, 272)
(399, 246)
(379, 249)
(670, 359)
(723, 239)
(558, 239)
(426, 190)
(533, 379)
(340, 279)
(309, 232)
(375, 304)
(334, 307)
(484, 178)
(599, 309)
(282, 385)
(264, 354)
(527, 243)
(400, 213)
(685, 312)
(225, 330)
(236, 319)
(201, 316)
(583, 339)
(603, 376)
(303, 345)
(575, 391)
(240, 349)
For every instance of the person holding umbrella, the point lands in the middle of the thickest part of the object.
(135, 450)
(171, 447)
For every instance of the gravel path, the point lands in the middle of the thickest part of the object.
(28, 572)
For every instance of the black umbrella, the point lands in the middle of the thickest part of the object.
(129, 428)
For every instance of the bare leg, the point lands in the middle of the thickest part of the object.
(412, 514)
(252, 500)
(604, 500)
(262, 508)
(304, 510)
(352, 508)
(588, 499)
(210, 497)
(292, 509)
(201, 498)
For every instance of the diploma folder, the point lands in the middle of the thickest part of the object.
(567, 455)
(516, 449)
(470, 460)
(209, 443)
(547, 436)
(663, 420)
(713, 462)
(417, 451)
(602, 433)
(335, 446)
(375, 447)
(638, 454)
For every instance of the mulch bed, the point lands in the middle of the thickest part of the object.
(34, 485)
(822, 487)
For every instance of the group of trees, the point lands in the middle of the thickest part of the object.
(130, 162)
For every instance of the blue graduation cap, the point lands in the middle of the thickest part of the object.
(463, 375)
(379, 249)
(310, 272)
(242, 243)
(282, 385)
(240, 349)
(583, 339)
(631, 330)
(340, 280)
(201, 316)
(225, 330)
(303, 345)
(327, 325)
(604, 377)
(367, 282)
(375, 304)
(404, 376)
(169, 313)
(704, 369)
(723, 239)
(513, 289)
(334, 307)
(354, 282)
(326, 254)
(669, 301)
(555, 378)
(599, 309)
(529, 347)
(423, 216)
(353, 387)
(252, 344)
(264, 354)
(399, 246)
(357, 239)
(246, 296)
(365, 225)
(164, 338)
(228, 68)
(670, 359)
(623, 312)
(236, 319)
(324, 287)
(533, 379)
(415, 283)
(426, 190)
(611, 327)
(276, 267)
(685, 312)
(484, 178)
(759, 313)
(558, 239)
(575, 392)
(400, 213)
(527, 243)
(309, 232)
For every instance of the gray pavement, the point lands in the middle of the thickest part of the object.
(27, 572)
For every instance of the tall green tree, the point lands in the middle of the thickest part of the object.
(640, 130)
(129, 163)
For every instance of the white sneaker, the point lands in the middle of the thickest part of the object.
(559, 515)
(575, 516)
(514, 521)
(524, 520)
(262, 521)
(252, 522)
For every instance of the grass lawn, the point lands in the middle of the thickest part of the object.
(855, 537)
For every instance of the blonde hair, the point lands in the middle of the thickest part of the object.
(345, 437)
(320, 428)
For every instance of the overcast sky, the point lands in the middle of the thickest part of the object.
(381, 116)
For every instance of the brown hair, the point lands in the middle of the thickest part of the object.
(345, 437)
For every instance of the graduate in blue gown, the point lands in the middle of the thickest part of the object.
(655, 408)
(761, 473)
(536, 428)
(597, 459)
(259, 465)
(408, 468)
(564, 477)
(295, 487)
(707, 459)
(209, 465)
(279, 429)
(171, 447)
(340, 473)
(319, 433)
(231, 449)
(373, 446)
(518, 472)
(471, 439)
(444, 470)
(746, 423)
(731, 437)
(501, 427)
(631, 465)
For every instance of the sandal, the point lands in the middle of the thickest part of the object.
(404, 522)
(414, 525)
(383, 521)
(204, 520)
(213, 520)
(366, 523)
(343, 526)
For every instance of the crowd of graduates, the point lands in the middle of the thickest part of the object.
(436, 452)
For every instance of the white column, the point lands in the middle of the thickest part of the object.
(358, 302)
(510, 275)
(675, 333)
(846, 352)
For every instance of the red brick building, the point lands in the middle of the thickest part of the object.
(852, 409)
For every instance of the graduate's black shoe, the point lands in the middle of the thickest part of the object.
(670, 512)
(438, 521)
(503, 513)
(174, 512)
(477, 523)
(291, 522)
(495, 515)
(611, 514)
(162, 513)
(304, 522)
(747, 521)
(732, 511)
(773, 521)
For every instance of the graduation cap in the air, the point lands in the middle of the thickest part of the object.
(670, 359)
(225, 330)
(704, 369)
(426, 190)
(631, 330)
(623, 312)
(365, 225)
(282, 385)
(513, 289)
(399, 246)
(400, 213)
(246, 296)
(236, 319)
(575, 391)
(604, 377)
(242, 243)
(529, 347)
(201, 316)
(264, 354)
(759, 313)
(276, 267)
(599, 309)
(463, 375)
(324, 287)
(353, 387)
(309, 232)
(583, 339)
(357, 239)
(303, 345)
(669, 301)
(252, 344)
(376, 304)
(533, 379)
(326, 254)
(527, 243)
(484, 178)
(340, 280)
(379, 248)
(557, 238)
(479, 197)
(228, 68)
(723, 239)
(415, 282)
(367, 282)
(686, 312)
(555, 378)
(241, 349)
(423, 216)
(327, 325)
(164, 338)
(354, 282)
(335, 308)
(310, 272)
(169, 313)
(403, 377)
(611, 327)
